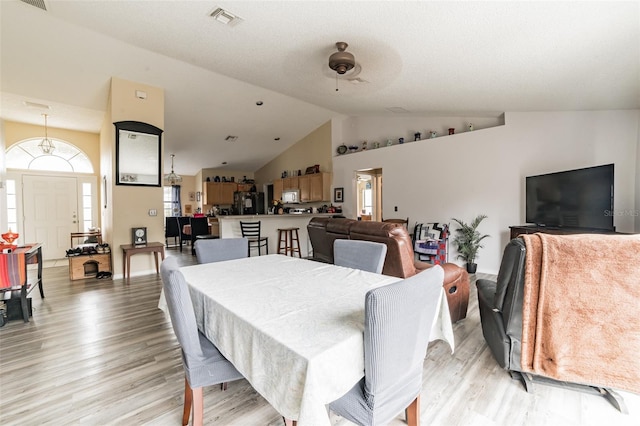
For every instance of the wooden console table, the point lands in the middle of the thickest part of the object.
(32, 253)
(532, 229)
(129, 250)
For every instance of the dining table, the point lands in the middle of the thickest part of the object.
(293, 327)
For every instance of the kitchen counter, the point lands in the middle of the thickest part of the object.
(230, 227)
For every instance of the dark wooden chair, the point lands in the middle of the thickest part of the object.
(251, 231)
(199, 227)
(183, 220)
(171, 230)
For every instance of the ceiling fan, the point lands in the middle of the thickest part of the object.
(342, 61)
(344, 65)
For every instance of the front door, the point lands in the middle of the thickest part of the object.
(50, 212)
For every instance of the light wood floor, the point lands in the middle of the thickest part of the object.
(99, 352)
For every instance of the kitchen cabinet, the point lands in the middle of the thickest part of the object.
(320, 187)
(277, 189)
(304, 184)
(219, 193)
(291, 182)
(314, 187)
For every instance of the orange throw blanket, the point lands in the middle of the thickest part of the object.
(581, 309)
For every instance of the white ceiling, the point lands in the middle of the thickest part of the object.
(429, 58)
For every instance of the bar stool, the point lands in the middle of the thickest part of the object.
(290, 236)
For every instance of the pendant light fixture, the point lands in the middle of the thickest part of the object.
(172, 177)
(46, 145)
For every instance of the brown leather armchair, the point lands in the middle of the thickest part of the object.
(400, 260)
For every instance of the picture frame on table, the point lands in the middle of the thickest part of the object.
(338, 195)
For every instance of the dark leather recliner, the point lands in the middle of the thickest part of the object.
(500, 303)
(400, 259)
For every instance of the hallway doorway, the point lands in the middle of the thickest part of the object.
(369, 194)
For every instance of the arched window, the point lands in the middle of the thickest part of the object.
(64, 158)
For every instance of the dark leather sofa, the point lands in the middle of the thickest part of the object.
(400, 260)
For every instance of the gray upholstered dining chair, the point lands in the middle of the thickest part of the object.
(222, 249)
(357, 254)
(203, 363)
(397, 324)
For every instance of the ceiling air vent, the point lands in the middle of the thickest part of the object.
(36, 105)
(225, 17)
(37, 3)
(397, 110)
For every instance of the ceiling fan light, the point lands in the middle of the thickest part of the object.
(341, 61)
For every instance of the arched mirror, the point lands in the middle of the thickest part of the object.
(138, 154)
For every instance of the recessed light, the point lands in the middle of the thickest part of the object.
(259, 103)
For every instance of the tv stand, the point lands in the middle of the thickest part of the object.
(557, 230)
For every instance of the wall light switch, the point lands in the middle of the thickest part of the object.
(141, 95)
(153, 212)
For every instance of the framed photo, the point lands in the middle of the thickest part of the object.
(192, 196)
(198, 196)
(188, 209)
(338, 195)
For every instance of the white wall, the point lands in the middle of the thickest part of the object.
(483, 172)
(3, 177)
(637, 209)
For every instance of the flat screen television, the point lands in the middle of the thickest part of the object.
(581, 198)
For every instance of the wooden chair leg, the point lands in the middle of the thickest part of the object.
(198, 407)
(188, 400)
(413, 412)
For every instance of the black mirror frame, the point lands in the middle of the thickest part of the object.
(137, 126)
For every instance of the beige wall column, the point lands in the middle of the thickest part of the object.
(128, 206)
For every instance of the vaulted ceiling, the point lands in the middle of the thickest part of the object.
(413, 58)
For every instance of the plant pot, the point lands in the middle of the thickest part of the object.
(472, 267)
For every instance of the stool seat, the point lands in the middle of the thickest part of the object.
(289, 241)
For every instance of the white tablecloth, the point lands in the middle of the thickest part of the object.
(292, 327)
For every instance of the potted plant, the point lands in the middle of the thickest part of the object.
(467, 241)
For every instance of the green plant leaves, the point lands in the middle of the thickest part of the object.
(468, 239)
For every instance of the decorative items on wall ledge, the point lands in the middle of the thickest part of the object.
(365, 145)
